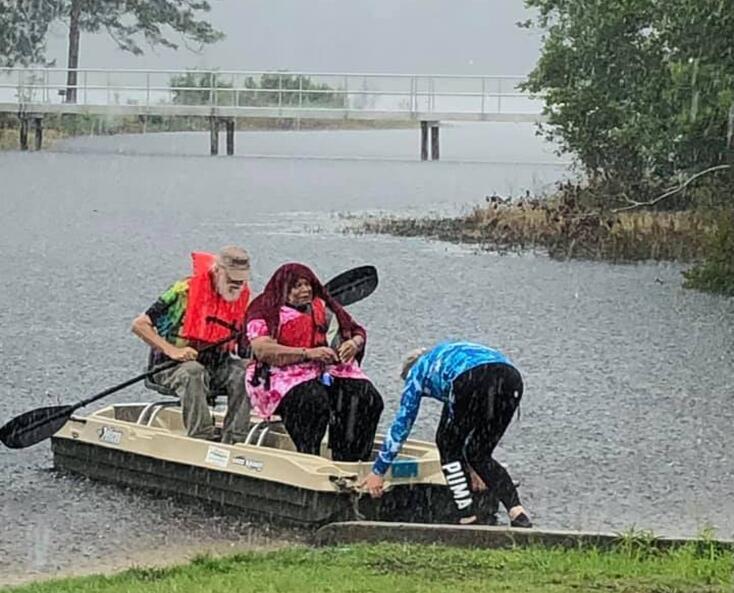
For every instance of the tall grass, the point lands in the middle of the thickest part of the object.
(565, 233)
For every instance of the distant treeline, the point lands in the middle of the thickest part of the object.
(269, 90)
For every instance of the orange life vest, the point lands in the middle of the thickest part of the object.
(308, 330)
(204, 301)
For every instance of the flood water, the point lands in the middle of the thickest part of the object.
(629, 401)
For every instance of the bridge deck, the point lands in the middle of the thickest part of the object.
(249, 94)
(263, 112)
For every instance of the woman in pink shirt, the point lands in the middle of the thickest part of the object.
(307, 350)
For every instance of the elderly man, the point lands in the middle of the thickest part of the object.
(194, 312)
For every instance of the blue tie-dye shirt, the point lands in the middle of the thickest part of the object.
(432, 376)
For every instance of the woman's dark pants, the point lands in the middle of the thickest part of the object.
(350, 408)
(485, 399)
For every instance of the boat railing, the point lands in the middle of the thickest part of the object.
(260, 430)
(255, 436)
(150, 412)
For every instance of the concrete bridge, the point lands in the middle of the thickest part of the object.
(224, 96)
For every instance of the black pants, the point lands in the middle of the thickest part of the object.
(485, 399)
(356, 407)
(350, 408)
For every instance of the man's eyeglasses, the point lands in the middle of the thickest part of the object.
(233, 282)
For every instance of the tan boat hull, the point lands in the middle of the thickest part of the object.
(146, 446)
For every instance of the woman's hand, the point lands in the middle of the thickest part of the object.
(477, 484)
(321, 354)
(374, 484)
(348, 350)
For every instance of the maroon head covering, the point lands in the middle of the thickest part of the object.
(267, 304)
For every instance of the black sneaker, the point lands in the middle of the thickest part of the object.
(522, 520)
(216, 435)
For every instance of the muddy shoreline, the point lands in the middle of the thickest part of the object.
(152, 557)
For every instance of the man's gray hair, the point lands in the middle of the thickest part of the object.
(410, 359)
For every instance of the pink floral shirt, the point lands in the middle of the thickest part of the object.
(285, 378)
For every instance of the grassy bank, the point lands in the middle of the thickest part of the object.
(55, 127)
(10, 138)
(562, 232)
(630, 567)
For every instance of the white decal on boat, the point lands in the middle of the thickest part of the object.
(217, 456)
(110, 435)
(252, 464)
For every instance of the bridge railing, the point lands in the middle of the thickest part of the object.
(252, 90)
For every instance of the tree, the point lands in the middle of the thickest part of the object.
(128, 20)
(639, 90)
(23, 28)
(290, 90)
(642, 92)
(196, 88)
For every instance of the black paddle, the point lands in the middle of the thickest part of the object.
(353, 285)
(37, 425)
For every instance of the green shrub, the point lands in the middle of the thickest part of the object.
(716, 272)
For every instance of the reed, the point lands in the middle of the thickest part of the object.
(563, 232)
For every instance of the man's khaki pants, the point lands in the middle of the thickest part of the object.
(193, 383)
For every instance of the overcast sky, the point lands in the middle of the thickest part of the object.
(411, 36)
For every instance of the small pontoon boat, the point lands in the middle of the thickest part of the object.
(145, 445)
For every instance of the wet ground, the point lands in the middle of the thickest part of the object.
(629, 399)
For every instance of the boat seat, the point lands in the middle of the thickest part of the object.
(163, 390)
(260, 429)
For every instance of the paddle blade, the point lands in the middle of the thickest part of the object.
(34, 426)
(353, 285)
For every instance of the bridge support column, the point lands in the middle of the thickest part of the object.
(435, 152)
(39, 132)
(434, 142)
(230, 136)
(424, 140)
(23, 133)
(214, 136)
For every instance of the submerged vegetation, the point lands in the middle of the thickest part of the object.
(564, 232)
(572, 224)
(634, 565)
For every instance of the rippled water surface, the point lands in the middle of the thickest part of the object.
(629, 397)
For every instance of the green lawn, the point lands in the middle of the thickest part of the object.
(398, 568)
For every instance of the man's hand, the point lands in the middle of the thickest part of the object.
(477, 484)
(321, 354)
(348, 350)
(374, 484)
(182, 354)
